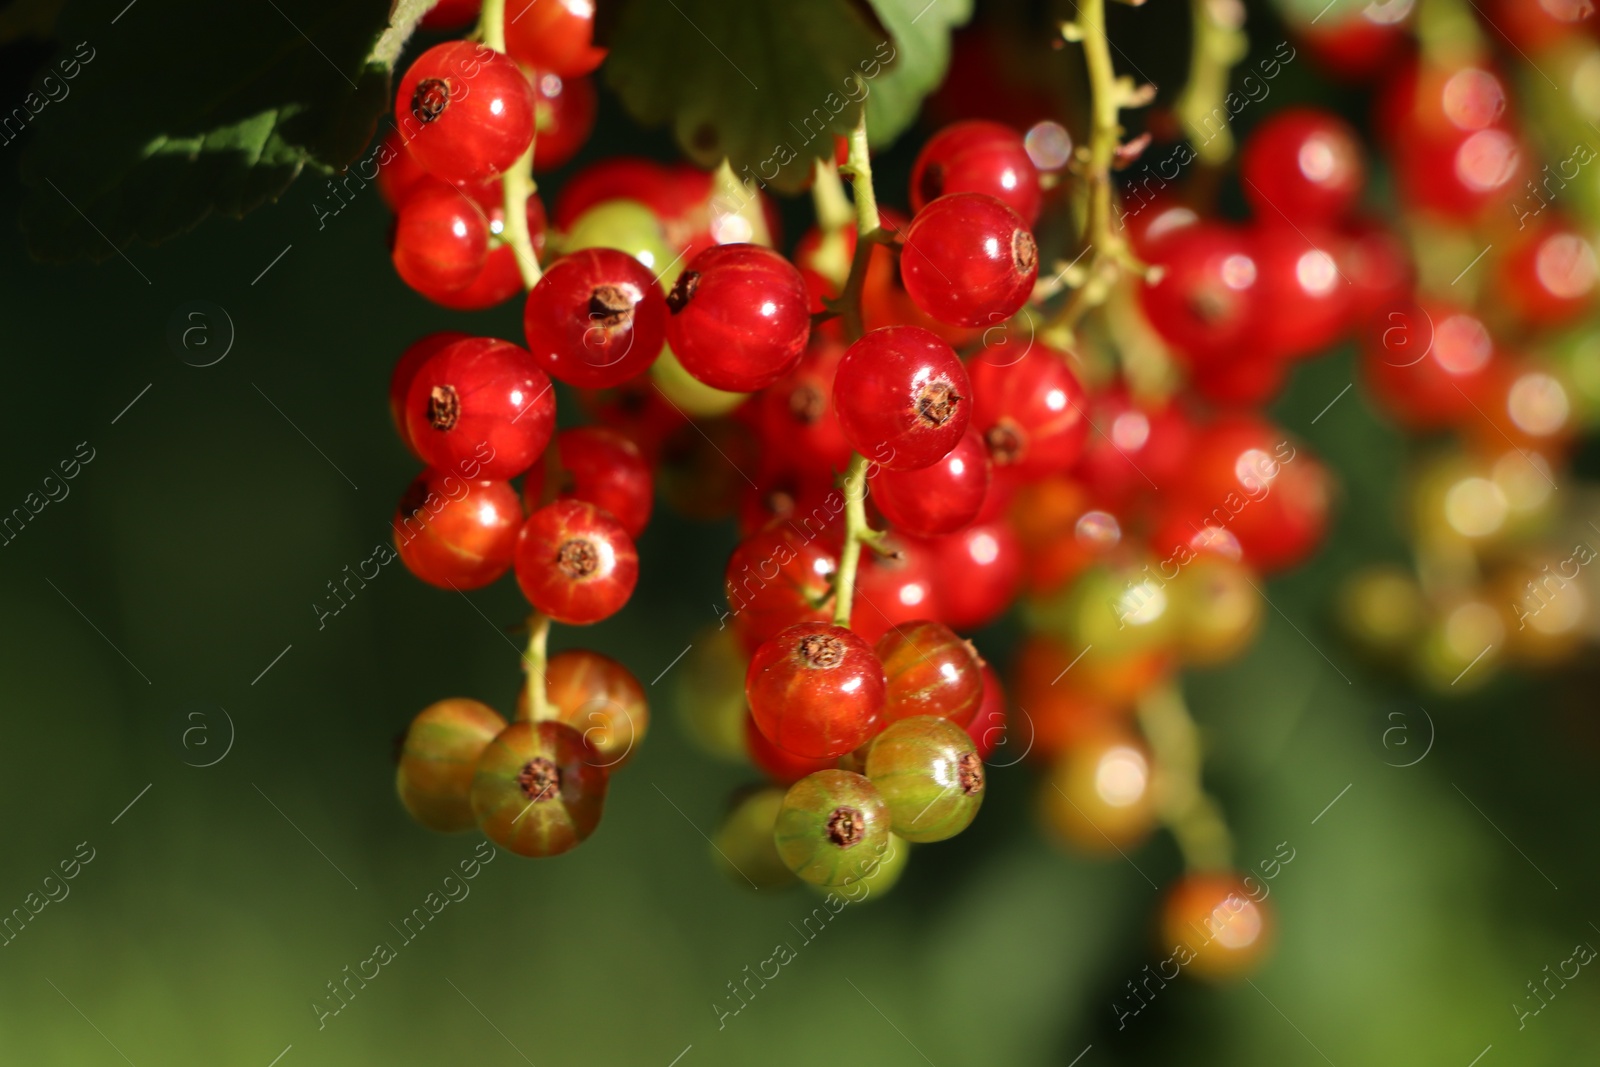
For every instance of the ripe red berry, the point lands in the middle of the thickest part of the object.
(816, 690)
(1426, 363)
(553, 35)
(480, 407)
(976, 156)
(895, 589)
(777, 577)
(1550, 276)
(1302, 164)
(1298, 277)
(539, 789)
(1030, 410)
(902, 397)
(599, 698)
(988, 727)
(457, 533)
(937, 499)
(1141, 450)
(501, 278)
(969, 260)
(596, 318)
(566, 109)
(603, 467)
(441, 240)
(980, 573)
(575, 562)
(406, 369)
(930, 671)
(797, 420)
(399, 173)
(1206, 301)
(778, 764)
(467, 111)
(450, 14)
(739, 317)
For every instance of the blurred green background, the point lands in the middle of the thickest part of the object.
(187, 558)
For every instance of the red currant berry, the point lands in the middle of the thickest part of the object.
(1206, 300)
(1550, 277)
(399, 173)
(1300, 280)
(977, 157)
(930, 671)
(566, 109)
(743, 848)
(598, 697)
(1425, 363)
(455, 533)
(937, 499)
(618, 178)
(902, 397)
(988, 727)
(501, 278)
(575, 562)
(596, 318)
(739, 317)
(969, 260)
(778, 577)
(929, 775)
(539, 789)
(450, 14)
(816, 690)
(780, 765)
(441, 240)
(1142, 448)
(441, 750)
(553, 35)
(980, 574)
(1214, 916)
(406, 369)
(796, 417)
(467, 111)
(833, 826)
(1302, 165)
(603, 467)
(898, 587)
(480, 407)
(1031, 411)
(806, 502)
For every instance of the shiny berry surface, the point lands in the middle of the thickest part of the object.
(457, 533)
(980, 571)
(1303, 165)
(940, 498)
(895, 587)
(929, 671)
(777, 577)
(1206, 300)
(988, 726)
(599, 698)
(565, 110)
(596, 318)
(1425, 363)
(779, 764)
(575, 563)
(929, 775)
(1300, 281)
(816, 690)
(480, 407)
(1030, 410)
(441, 240)
(602, 467)
(553, 35)
(977, 156)
(902, 396)
(740, 317)
(405, 369)
(467, 111)
(437, 761)
(798, 421)
(831, 823)
(538, 789)
(969, 260)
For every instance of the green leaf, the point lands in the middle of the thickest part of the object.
(167, 113)
(921, 33)
(764, 85)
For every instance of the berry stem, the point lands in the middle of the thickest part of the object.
(856, 531)
(868, 231)
(1185, 808)
(517, 183)
(1109, 253)
(536, 659)
(1219, 42)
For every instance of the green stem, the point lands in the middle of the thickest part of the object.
(535, 660)
(1218, 43)
(856, 531)
(517, 183)
(1193, 816)
(868, 232)
(492, 24)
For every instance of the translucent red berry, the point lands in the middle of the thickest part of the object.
(740, 317)
(798, 422)
(940, 498)
(575, 563)
(565, 110)
(902, 397)
(977, 156)
(969, 260)
(405, 369)
(1206, 300)
(897, 586)
(988, 727)
(596, 318)
(1030, 410)
(599, 698)
(777, 577)
(467, 111)
(1302, 164)
(778, 764)
(480, 407)
(930, 671)
(603, 467)
(538, 789)
(441, 240)
(980, 571)
(457, 533)
(816, 690)
(553, 35)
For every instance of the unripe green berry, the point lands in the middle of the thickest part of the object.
(743, 848)
(437, 760)
(875, 875)
(538, 789)
(830, 824)
(929, 775)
